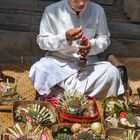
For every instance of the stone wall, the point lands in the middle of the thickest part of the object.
(132, 10)
(19, 26)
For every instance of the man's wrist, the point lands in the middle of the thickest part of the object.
(69, 41)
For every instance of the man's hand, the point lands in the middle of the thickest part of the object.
(74, 34)
(84, 50)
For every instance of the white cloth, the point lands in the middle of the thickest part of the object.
(100, 80)
(59, 17)
(45, 74)
(60, 63)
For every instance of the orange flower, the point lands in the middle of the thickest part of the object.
(24, 113)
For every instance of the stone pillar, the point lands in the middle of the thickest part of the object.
(126, 6)
(132, 9)
(135, 14)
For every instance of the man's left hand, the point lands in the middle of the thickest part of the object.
(84, 50)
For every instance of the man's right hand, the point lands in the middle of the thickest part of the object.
(74, 34)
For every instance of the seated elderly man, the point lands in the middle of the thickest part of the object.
(68, 63)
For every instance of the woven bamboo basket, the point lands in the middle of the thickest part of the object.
(65, 117)
(122, 134)
(66, 128)
(21, 131)
(6, 120)
(18, 72)
(26, 104)
(115, 133)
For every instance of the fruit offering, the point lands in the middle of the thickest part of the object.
(91, 109)
(90, 132)
(62, 133)
(77, 131)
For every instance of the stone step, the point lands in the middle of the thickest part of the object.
(26, 5)
(19, 21)
(114, 13)
(15, 44)
(111, 12)
(36, 5)
(30, 23)
(122, 30)
(104, 2)
(125, 48)
(26, 15)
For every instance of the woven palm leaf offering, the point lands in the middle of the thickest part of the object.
(118, 114)
(77, 131)
(77, 107)
(134, 103)
(7, 88)
(73, 102)
(134, 100)
(36, 112)
(27, 132)
(8, 92)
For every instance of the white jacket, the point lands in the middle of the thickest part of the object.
(59, 17)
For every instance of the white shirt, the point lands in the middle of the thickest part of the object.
(59, 17)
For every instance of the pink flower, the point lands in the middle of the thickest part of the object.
(43, 137)
(84, 41)
(3, 89)
(83, 129)
(28, 119)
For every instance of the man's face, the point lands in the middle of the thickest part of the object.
(78, 5)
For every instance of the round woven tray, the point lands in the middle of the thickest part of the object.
(19, 72)
(65, 117)
(6, 120)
